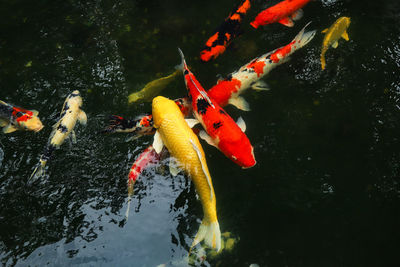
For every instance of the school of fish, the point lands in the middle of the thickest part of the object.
(172, 121)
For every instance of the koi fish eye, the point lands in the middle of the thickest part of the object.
(19, 114)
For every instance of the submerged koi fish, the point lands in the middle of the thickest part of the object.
(14, 118)
(225, 33)
(228, 90)
(70, 113)
(281, 13)
(222, 131)
(185, 148)
(153, 88)
(148, 156)
(333, 34)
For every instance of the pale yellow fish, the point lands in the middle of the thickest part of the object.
(184, 146)
(153, 88)
(333, 34)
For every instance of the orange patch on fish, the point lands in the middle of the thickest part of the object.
(281, 52)
(257, 66)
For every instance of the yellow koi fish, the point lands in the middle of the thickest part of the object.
(153, 88)
(184, 146)
(333, 34)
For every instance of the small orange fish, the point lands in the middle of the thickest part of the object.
(225, 33)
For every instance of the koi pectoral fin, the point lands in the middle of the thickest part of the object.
(345, 36)
(260, 86)
(158, 143)
(82, 117)
(335, 44)
(3, 123)
(287, 22)
(240, 103)
(173, 167)
(298, 14)
(9, 129)
(203, 135)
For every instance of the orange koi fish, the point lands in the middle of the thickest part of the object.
(14, 118)
(225, 33)
(222, 131)
(282, 12)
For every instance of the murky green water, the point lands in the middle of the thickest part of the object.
(325, 190)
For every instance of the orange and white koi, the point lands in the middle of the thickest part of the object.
(228, 90)
(14, 118)
(222, 131)
(70, 114)
(283, 12)
(225, 33)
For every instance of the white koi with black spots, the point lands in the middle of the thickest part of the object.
(70, 114)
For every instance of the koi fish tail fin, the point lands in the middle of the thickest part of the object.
(130, 193)
(303, 38)
(38, 172)
(210, 233)
(323, 62)
(183, 65)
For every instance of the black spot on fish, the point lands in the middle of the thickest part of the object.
(62, 128)
(228, 78)
(202, 106)
(73, 95)
(222, 112)
(19, 114)
(186, 72)
(47, 152)
(216, 125)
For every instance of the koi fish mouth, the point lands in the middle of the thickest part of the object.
(37, 129)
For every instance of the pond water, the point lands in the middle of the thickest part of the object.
(325, 190)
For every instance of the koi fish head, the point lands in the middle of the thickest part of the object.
(27, 119)
(75, 98)
(347, 21)
(244, 155)
(162, 106)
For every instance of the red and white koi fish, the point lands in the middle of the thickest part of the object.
(225, 33)
(70, 114)
(228, 90)
(222, 131)
(148, 156)
(14, 118)
(283, 12)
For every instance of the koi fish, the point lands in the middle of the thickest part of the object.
(228, 90)
(153, 88)
(225, 33)
(222, 131)
(283, 12)
(333, 34)
(70, 113)
(185, 149)
(14, 118)
(148, 156)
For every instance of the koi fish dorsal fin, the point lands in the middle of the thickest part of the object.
(82, 117)
(158, 143)
(203, 167)
(335, 44)
(240, 103)
(325, 31)
(287, 22)
(9, 129)
(191, 122)
(345, 36)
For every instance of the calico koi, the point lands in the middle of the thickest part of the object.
(222, 131)
(283, 12)
(225, 33)
(70, 114)
(14, 118)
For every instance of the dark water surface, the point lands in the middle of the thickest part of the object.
(325, 190)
